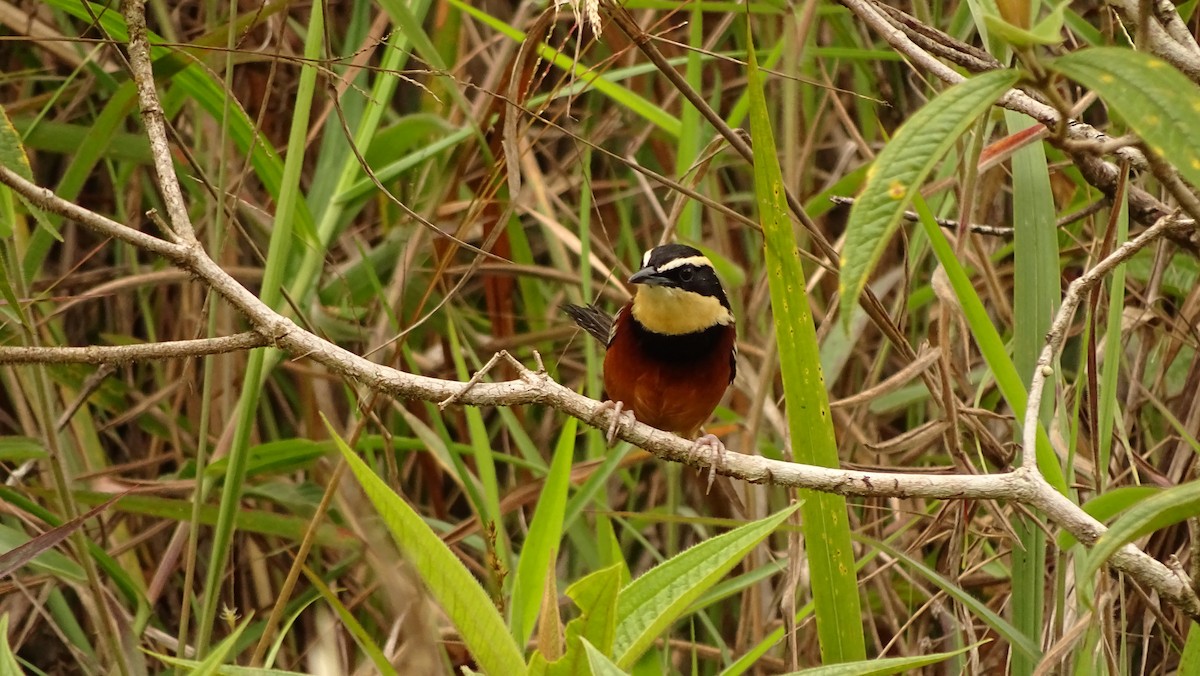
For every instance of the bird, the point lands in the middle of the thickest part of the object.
(671, 351)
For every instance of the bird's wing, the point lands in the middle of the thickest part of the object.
(593, 320)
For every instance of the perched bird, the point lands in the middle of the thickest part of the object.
(672, 350)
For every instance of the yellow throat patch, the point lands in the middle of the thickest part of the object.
(675, 312)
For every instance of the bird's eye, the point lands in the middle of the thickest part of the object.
(686, 274)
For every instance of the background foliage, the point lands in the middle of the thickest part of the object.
(332, 157)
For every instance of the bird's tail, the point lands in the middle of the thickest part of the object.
(591, 319)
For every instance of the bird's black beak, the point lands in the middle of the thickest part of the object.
(648, 275)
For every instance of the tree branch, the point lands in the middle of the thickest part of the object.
(1022, 485)
(122, 354)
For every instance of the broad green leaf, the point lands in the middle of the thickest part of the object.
(826, 524)
(599, 663)
(596, 598)
(1155, 100)
(545, 535)
(902, 167)
(12, 152)
(651, 604)
(12, 156)
(1158, 511)
(881, 666)
(457, 591)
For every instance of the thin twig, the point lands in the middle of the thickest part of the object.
(1062, 321)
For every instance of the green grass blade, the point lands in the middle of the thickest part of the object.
(202, 88)
(271, 294)
(880, 667)
(991, 345)
(650, 604)
(224, 670)
(215, 659)
(352, 625)
(826, 525)
(1155, 512)
(1019, 642)
(8, 659)
(545, 534)
(456, 590)
(1113, 347)
(1107, 505)
(623, 97)
(902, 167)
(1037, 292)
(1154, 99)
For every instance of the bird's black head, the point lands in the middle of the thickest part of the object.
(679, 291)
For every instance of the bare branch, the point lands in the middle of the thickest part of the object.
(121, 354)
(155, 121)
(1023, 485)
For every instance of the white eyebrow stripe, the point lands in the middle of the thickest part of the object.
(646, 258)
(696, 261)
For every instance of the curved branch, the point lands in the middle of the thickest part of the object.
(1023, 485)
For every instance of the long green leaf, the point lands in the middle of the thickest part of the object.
(545, 534)
(650, 604)
(596, 597)
(1019, 642)
(599, 663)
(880, 667)
(1114, 345)
(206, 91)
(902, 167)
(1157, 511)
(1107, 505)
(457, 591)
(359, 633)
(8, 659)
(626, 98)
(1155, 100)
(991, 346)
(1037, 292)
(826, 524)
(286, 218)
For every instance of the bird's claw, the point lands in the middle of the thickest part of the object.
(716, 455)
(618, 409)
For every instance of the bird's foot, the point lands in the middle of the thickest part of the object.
(711, 445)
(618, 409)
